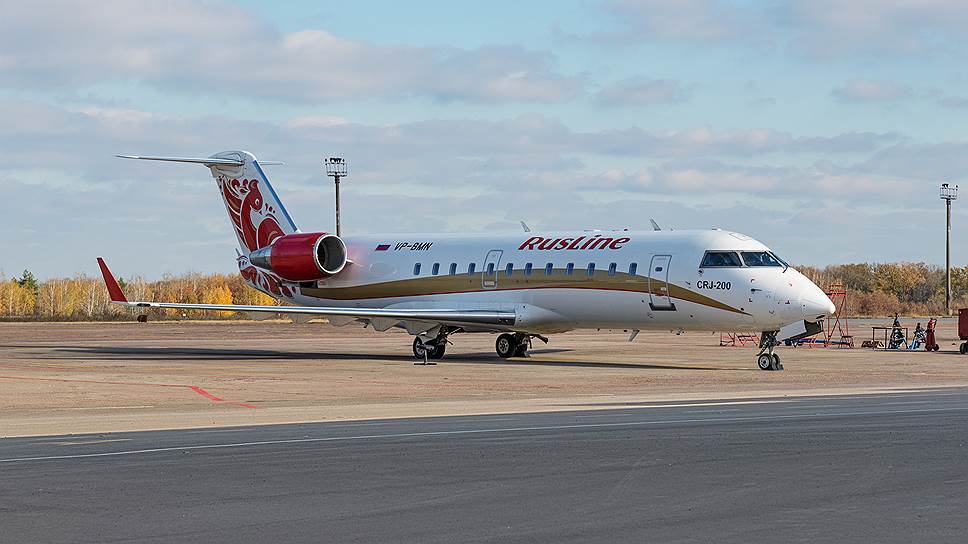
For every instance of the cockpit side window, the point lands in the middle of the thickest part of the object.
(760, 258)
(720, 259)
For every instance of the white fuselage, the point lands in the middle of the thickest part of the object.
(638, 280)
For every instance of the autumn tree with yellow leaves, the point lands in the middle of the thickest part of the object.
(83, 298)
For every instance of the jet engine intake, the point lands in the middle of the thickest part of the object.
(302, 256)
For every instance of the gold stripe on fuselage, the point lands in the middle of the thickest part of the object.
(471, 283)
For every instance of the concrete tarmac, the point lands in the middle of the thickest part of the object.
(866, 468)
(59, 378)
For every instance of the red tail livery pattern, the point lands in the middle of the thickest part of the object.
(255, 221)
(266, 282)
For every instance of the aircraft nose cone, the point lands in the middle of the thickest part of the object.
(817, 306)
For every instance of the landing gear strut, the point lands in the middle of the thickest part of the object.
(766, 359)
(432, 349)
(515, 345)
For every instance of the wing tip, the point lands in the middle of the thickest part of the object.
(114, 290)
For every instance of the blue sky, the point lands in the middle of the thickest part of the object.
(822, 128)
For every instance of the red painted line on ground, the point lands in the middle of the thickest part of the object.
(205, 393)
(194, 388)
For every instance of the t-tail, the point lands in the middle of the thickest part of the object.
(254, 208)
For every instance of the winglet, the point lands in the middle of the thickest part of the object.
(114, 290)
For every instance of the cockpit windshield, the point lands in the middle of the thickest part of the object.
(714, 259)
(739, 259)
(760, 258)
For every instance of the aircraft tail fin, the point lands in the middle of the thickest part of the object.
(255, 211)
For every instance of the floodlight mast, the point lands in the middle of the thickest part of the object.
(336, 169)
(948, 194)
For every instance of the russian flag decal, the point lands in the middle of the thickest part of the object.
(382, 247)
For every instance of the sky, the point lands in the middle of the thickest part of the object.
(822, 128)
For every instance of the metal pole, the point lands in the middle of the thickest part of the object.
(947, 262)
(339, 231)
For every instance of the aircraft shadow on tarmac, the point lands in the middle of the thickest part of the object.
(215, 354)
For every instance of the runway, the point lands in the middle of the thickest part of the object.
(876, 468)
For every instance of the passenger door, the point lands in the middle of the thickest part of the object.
(492, 263)
(659, 298)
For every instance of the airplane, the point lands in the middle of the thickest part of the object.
(521, 286)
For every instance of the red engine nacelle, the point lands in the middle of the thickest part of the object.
(302, 256)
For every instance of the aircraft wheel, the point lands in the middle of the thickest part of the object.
(522, 350)
(419, 348)
(505, 346)
(765, 361)
(777, 365)
(964, 348)
(438, 351)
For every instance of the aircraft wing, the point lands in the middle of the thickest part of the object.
(499, 320)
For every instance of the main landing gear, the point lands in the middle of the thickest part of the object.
(428, 350)
(766, 359)
(515, 345)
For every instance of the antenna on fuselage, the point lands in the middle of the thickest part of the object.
(655, 226)
(525, 227)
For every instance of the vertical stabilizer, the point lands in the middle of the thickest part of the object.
(256, 213)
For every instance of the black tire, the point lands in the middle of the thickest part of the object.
(964, 348)
(522, 350)
(438, 351)
(418, 348)
(936, 347)
(765, 362)
(777, 365)
(506, 346)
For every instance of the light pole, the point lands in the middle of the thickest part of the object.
(336, 169)
(948, 194)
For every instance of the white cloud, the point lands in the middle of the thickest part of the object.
(864, 90)
(642, 92)
(191, 45)
(954, 102)
(696, 21)
(815, 29)
(835, 29)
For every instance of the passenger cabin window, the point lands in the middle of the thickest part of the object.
(569, 269)
(611, 269)
(509, 269)
(435, 269)
(720, 259)
(527, 269)
(760, 258)
(490, 269)
(416, 269)
(549, 268)
(470, 268)
(633, 267)
(591, 269)
(453, 268)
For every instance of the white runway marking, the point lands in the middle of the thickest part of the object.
(470, 432)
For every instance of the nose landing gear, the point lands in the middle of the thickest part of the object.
(766, 359)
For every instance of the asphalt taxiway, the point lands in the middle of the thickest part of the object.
(873, 468)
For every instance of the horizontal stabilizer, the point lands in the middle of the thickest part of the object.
(197, 160)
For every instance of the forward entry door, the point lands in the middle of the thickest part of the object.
(492, 263)
(659, 298)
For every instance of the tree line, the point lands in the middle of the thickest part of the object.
(874, 289)
(881, 289)
(84, 298)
